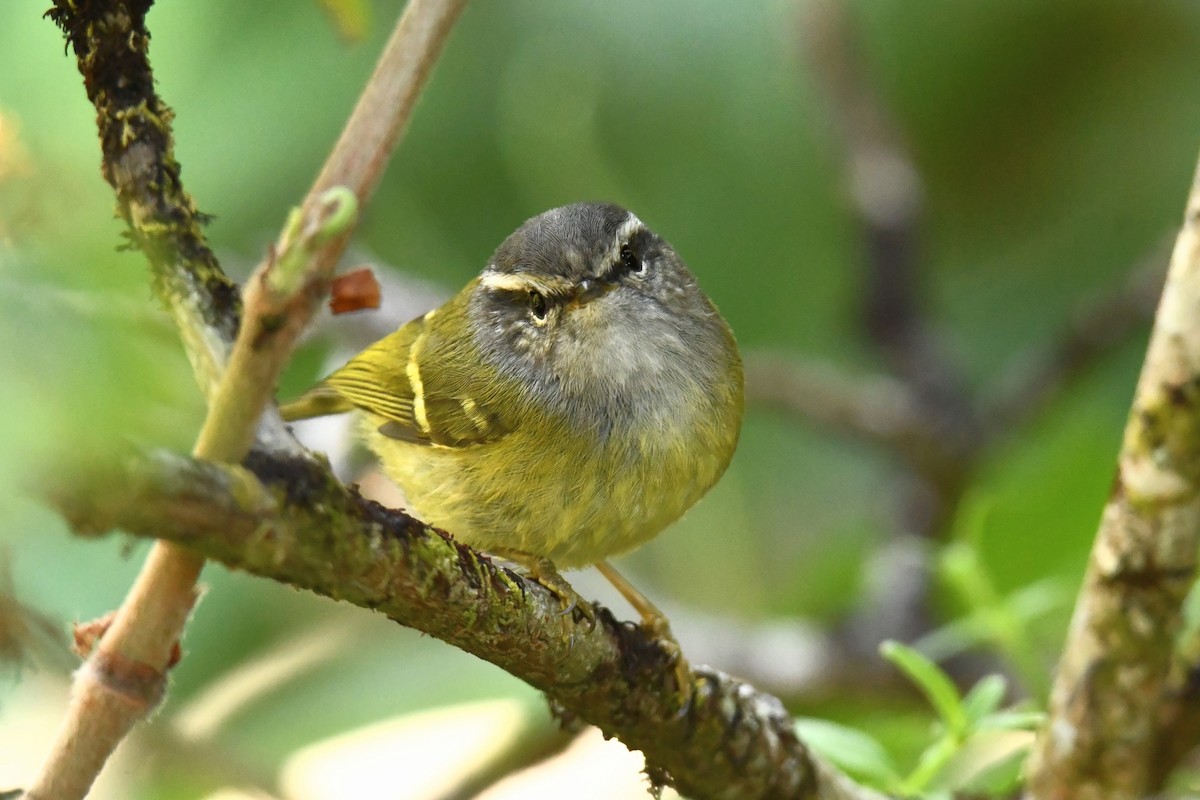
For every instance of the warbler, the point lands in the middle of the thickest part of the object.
(567, 405)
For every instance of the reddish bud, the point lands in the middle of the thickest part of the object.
(354, 291)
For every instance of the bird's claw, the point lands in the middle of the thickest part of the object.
(543, 572)
(660, 629)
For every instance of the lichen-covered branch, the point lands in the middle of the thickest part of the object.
(1103, 728)
(306, 529)
(1179, 714)
(111, 44)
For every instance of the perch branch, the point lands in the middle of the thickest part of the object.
(300, 526)
(1103, 726)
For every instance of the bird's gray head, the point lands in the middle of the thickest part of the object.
(586, 302)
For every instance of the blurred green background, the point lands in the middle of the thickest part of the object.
(1056, 141)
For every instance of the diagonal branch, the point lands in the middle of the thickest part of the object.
(1103, 728)
(309, 531)
(111, 43)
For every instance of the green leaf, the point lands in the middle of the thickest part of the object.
(962, 568)
(850, 750)
(985, 697)
(929, 765)
(1038, 599)
(931, 680)
(953, 638)
(988, 762)
(1012, 721)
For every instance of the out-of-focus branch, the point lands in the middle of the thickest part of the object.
(1102, 733)
(886, 194)
(1094, 331)
(944, 431)
(939, 448)
(308, 530)
(876, 408)
(883, 410)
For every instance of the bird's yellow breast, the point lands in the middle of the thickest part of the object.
(569, 498)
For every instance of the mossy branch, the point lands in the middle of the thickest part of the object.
(300, 526)
(111, 44)
(1104, 729)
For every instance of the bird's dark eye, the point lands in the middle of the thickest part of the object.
(538, 306)
(629, 261)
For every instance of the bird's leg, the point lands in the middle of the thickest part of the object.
(658, 625)
(543, 571)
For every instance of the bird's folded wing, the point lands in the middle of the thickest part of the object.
(426, 391)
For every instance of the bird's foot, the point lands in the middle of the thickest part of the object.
(656, 623)
(542, 571)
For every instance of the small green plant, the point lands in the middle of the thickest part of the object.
(1004, 623)
(976, 746)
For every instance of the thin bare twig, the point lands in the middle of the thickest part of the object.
(1103, 726)
(938, 446)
